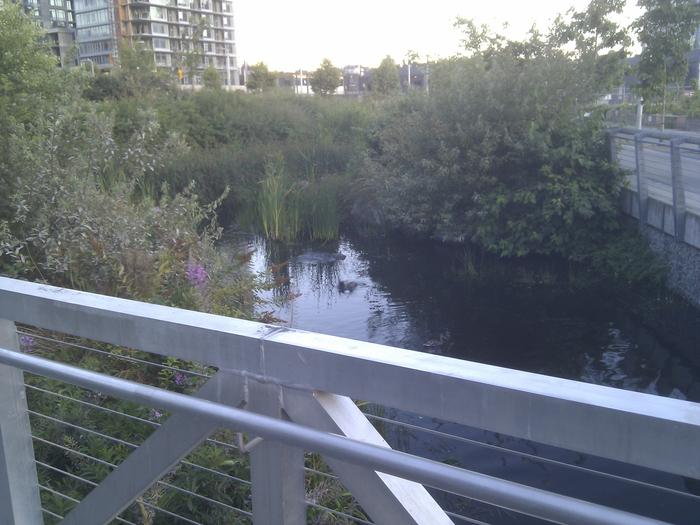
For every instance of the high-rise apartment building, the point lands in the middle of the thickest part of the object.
(97, 32)
(56, 17)
(186, 36)
(184, 32)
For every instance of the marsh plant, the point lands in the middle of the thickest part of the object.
(288, 209)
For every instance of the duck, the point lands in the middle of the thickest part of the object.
(346, 286)
(439, 342)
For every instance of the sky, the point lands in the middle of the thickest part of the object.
(288, 36)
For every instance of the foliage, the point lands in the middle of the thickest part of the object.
(288, 210)
(385, 78)
(326, 79)
(260, 78)
(138, 71)
(191, 54)
(233, 136)
(28, 73)
(517, 178)
(211, 78)
(600, 43)
(665, 31)
(30, 86)
(105, 86)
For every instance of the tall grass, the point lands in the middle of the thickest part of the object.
(289, 210)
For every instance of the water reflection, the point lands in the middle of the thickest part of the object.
(425, 297)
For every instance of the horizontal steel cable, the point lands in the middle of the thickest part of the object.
(112, 355)
(534, 457)
(338, 513)
(164, 483)
(134, 446)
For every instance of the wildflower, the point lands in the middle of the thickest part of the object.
(179, 379)
(196, 274)
(26, 344)
(155, 415)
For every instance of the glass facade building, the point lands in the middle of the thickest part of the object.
(96, 32)
(186, 36)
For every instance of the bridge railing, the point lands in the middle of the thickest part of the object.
(663, 187)
(290, 392)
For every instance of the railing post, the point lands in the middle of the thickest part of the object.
(612, 135)
(642, 189)
(679, 210)
(276, 470)
(19, 487)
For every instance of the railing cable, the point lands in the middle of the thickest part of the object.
(118, 413)
(134, 446)
(112, 355)
(533, 457)
(339, 513)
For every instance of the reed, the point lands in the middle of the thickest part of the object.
(288, 210)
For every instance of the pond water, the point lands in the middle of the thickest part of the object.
(424, 296)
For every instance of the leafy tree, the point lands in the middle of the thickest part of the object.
(385, 80)
(665, 31)
(138, 70)
(105, 86)
(502, 153)
(600, 42)
(30, 86)
(260, 78)
(326, 79)
(28, 73)
(211, 78)
(192, 54)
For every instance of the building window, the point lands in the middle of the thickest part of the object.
(162, 59)
(159, 29)
(158, 13)
(161, 43)
(92, 18)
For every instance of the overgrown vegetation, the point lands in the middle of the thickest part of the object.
(118, 184)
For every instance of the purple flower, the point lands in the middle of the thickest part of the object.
(196, 274)
(155, 415)
(26, 343)
(179, 379)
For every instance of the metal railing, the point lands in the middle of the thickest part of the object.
(663, 185)
(293, 391)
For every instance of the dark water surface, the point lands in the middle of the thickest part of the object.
(425, 296)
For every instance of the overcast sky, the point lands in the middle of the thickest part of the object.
(289, 35)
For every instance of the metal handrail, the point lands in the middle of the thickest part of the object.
(626, 426)
(505, 494)
(661, 135)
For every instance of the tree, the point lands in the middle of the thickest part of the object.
(211, 78)
(28, 72)
(326, 79)
(665, 31)
(30, 86)
(260, 78)
(600, 43)
(138, 70)
(193, 51)
(385, 80)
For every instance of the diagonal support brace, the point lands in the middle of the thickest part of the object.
(157, 456)
(387, 499)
